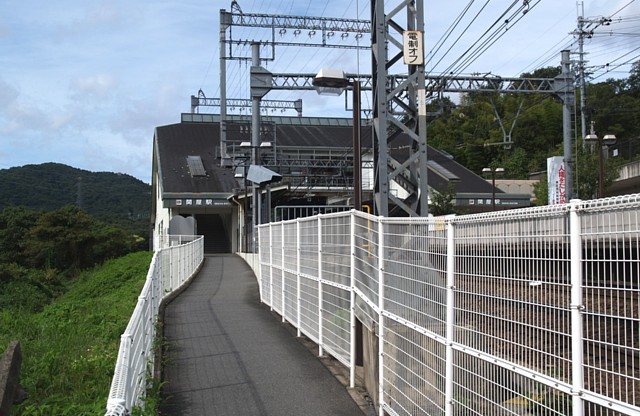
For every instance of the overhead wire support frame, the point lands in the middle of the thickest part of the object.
(327, 26)
(202, 101)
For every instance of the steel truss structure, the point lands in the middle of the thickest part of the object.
(399, 100)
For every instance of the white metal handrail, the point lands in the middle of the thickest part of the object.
(170, 269)
(531, 311)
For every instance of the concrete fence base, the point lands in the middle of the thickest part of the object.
(10, 390)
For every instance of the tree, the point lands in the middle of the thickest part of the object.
(15, 223)
(442, 203)
(69, 240)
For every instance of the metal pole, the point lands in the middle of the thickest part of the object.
(422, 121)
(255, 137)
(379, 85)
(246, 210)
(493, 189)
(601, 172)
(357, 155)
(583, 83)
(225, 20)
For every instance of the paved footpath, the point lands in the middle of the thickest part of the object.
(229, 355)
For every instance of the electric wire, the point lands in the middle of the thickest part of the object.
(445, 36)
(440, 42)
(488, 38)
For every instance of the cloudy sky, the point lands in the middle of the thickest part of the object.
(85, 83)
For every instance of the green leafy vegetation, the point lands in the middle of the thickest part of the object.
(70, 346)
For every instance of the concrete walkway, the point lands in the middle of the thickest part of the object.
(229, 355)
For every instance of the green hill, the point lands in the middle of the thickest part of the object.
(113, 197)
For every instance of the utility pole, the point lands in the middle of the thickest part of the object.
(568, 99)
(586, 28)
(581, 72)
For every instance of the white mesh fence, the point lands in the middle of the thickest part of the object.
(171, 267)
(522, 312)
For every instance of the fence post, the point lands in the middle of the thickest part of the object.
(270, 263)
(282, 291)
(352, 303)
(171, 267)
(127, 340)
(298, 320)
(381, 315)
(320, 297)
(450, 317)
(577, 354)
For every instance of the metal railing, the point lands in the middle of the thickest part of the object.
(170, 268)
(533, 311)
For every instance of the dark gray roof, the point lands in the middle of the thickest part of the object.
(175, 142)
(321, 136)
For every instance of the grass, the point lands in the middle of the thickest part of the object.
(69, 348)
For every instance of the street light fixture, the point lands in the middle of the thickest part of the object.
(334, 82)
(493, 172)
(251, 172)
(603, 145)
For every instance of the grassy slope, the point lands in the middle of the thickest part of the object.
(69, 349)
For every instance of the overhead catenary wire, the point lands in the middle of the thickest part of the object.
(496, 30)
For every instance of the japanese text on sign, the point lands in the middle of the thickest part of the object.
(413, 50)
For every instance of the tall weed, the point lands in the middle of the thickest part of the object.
(69, 348)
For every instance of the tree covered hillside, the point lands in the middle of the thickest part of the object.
(113, 197)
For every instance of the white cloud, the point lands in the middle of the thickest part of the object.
(95, 85)
(8, 95)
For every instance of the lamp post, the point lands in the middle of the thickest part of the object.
(603, 144)
(493, 172)
(333, 82)
(257, 198)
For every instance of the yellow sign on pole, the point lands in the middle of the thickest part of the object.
(413, 47)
